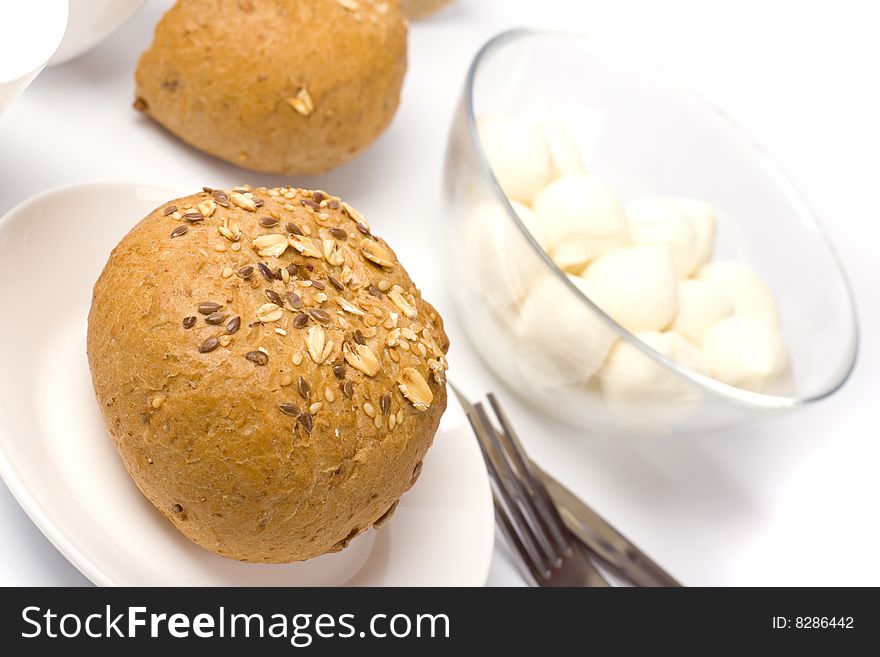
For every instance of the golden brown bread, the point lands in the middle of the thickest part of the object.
(417, 9)
(269, 373)
(284, 86)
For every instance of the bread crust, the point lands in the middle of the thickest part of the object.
(280, 86)
(282, 454)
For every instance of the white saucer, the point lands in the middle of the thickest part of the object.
(58, 461)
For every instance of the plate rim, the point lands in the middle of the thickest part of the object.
(18, 486)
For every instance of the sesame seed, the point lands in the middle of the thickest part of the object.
(257, 357)
(321, 315)
(306, 420)
(265, 271)
(304, 388)
(290, 409)
(220, 198)
(209, 345)
(294, 300)
(208, 307)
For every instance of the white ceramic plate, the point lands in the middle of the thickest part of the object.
(59, 462)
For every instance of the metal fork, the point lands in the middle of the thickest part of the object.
(528, 518)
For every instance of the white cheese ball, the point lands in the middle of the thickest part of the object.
(561, 339)
(747, 353)
(744, 288)
(702, 216)
(662, 221)
(636, 286)
(502, 262)
(563, 149)
(633, 381)
(700, 306)
(583, 220)
(517, 153)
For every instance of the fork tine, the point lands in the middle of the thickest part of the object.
(548, 511)
(513, 539)
(529, 550)
(523, 507)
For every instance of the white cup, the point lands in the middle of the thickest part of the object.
(90, 22)
(30, 33)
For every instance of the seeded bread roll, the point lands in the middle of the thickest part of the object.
(269, 373)
(283, 86)
(416, 9)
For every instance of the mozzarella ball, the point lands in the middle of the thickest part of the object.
(747, 353)
(517, 153)
(661, 221)
(632, 377)
(700, 306)
(563, 149)
(636, 286)
(503, 263)
(583, 220)
(702, 216)
(561, 339)
(743, 288)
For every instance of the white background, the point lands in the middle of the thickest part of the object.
(793, 501)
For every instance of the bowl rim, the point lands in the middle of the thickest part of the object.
(802, 207)
(52, 25)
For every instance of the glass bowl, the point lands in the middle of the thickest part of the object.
(645, 135)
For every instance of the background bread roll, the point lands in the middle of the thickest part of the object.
(269, 373)
(416, 9)
(284, 86)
